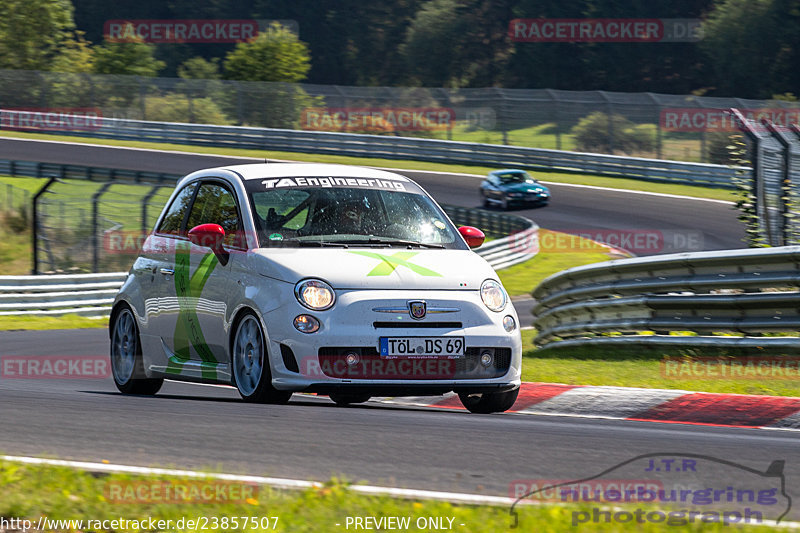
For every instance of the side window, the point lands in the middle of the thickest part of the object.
(171, 224)
(216, 205)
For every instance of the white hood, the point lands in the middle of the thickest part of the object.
(376, 268)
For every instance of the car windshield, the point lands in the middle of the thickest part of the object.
(311, 211)
(516, 177)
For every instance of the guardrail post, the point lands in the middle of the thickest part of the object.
(786, 178)
(95, 238)
(35, 219)
(145, 203)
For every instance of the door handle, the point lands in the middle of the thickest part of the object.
(167, 271)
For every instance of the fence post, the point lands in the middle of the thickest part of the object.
(142, 94)
(786, 178)
(610, 115)
(556, 116)
(95, 241)
(35, 219)
(145, 203)
(239, 103)
(658, 124)
(502, 115)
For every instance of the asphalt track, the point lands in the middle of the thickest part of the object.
(189, 426)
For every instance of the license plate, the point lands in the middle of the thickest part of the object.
(422, 346)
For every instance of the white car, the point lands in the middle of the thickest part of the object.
(339, 280)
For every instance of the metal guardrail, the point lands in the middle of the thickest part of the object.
(721, 298)
(82, 294)
(407, 148)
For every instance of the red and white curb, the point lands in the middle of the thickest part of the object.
(653, 405)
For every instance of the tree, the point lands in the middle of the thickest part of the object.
(458, 43)
(198, 68)
(131, 58)
(275, 55)
(75, 55)
(31, 30)
(753, 46)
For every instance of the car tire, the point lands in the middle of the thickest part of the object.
(489, 402)
(342, 398)
(126, 356)
(250, 364)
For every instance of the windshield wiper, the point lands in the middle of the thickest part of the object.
(317, 244)
(390, 242)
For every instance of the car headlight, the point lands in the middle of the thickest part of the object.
(493, 295)
(314, 294)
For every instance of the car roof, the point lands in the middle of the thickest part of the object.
(509, 170)
(288, 170)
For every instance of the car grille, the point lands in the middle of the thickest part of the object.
(372, 366)
(413, 325)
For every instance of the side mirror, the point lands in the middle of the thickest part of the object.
(212, 236)
(473, 236)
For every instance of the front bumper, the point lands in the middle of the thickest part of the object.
(316, 362)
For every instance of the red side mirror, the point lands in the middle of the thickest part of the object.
(473, 236)
(210, 235)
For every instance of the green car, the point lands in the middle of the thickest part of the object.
(513, 187)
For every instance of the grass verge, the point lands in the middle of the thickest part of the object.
(521, 279)
(641, 367)
(554, 177)
(71, 321)
(59, 493)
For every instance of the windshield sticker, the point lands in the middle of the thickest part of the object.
(361, 183)
(276, 237)
(388, 264)
(439, 224)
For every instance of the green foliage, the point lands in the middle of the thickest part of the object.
(179, 108)
(745, 193)
(752, 46)
(275, 55)
(468, 37)
(75, 55)
(719, 148)
(31, 31)
(597, 132)
(132, 58)
(198, 68)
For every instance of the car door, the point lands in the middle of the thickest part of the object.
(196, 290)
(159, 251)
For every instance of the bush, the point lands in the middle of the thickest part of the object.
(592, 134)
(178, 108)
(718, 146)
